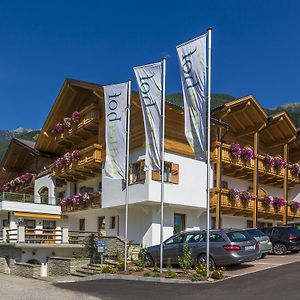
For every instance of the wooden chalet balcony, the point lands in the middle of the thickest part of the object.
(88, 165)
(239, 168)
(88, 126)
(237, 208)
(94, 202)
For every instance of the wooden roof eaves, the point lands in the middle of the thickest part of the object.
(276, 117)
(221, 110)
(67, 83)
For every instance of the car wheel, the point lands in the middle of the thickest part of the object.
(201, 259)
(149, 260)
(279, 249)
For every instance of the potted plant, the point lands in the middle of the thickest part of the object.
(234, 195)
(245, 197)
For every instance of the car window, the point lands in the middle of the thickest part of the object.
(174, 239)
(255, 232)
(276, 231)
(238, 236)
(194, 238)
(215, 237)
(294, 231)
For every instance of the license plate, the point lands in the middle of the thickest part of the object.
(247, 248)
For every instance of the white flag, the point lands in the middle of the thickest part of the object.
(192, 59)
(115, 97)
(149, 79)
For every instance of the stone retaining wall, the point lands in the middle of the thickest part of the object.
(25, 270)
(62, 266)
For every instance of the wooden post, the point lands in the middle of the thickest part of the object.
(285, 184)
(219, 183)
(255, 179)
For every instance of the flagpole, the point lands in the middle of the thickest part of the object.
(127, 169)
(162, 162)
(208, 149)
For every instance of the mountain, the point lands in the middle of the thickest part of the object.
(22, 133)
(293, 109)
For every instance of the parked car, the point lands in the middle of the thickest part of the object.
(265, 245)
(227, 247)
(296, 225)
(283, 238)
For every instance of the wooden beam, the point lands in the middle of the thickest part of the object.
(285, 184)
(255, 179)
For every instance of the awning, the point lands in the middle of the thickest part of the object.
(39, 216)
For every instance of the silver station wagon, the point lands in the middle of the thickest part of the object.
(227, 247)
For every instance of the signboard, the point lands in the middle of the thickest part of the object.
(101, 246)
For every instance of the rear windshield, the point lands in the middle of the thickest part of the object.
(294, 231)
(238, 236)
(255, 232)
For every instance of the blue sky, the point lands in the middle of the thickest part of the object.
(256, 48)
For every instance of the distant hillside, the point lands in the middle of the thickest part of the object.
(7, 135)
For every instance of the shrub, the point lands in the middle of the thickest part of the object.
(156, 275)
(201, 269)
(147, 274)
(171, 274)
(176, 229)
(141, 263)
(185, 261)
(155, 268)
(107, 269)
(217, 273)
(197, 277)
(89, 247)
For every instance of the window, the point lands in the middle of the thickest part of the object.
(113, 222)
(214, 237)
(101, 224)
(194, 238)
(238, 236)
(29, 223)
(179, 222)
(49, 224)
(5, 223)
(213, 222)
(174, 239)
(171, 173)
(136, 172)
(81, 224)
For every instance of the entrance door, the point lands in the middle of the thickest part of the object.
(179, 223)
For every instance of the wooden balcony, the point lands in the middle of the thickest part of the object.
(239, 168)
(88, 165)
(237, 208)
(94, 202)
(87, 127)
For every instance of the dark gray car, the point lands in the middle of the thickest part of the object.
(227, 247)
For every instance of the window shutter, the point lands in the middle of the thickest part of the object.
(142, 171)
(175, 173)
(155, 175)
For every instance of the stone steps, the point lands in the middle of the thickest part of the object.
(76, 274)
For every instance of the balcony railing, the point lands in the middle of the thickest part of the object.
(89, 120)
(88, 165)
(237, 207)
(93, 202)
(27, 198)
(239, 168)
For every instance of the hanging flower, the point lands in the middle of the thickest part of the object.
(234, 194)
(236, 149)
(295, 206)
(58, 128)
(269, 160)
(76, 117)
(278, 202)
(245, 197)
(268, 200)
(279, 163)
(67, 158)
(247, 153)
(67, 122)
(59, 163)
(63, 201)
(75, 155)
(76, 200)
(86, 196)
(295, 169)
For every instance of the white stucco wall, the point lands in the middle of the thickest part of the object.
(44, 181)
(191, 190)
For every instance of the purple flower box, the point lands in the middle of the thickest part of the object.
(279, 163)
(295, 169)
(269, 160)
(76, 117)
(247, 153)
(236, 149)
(234, 194)
(278, 202)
